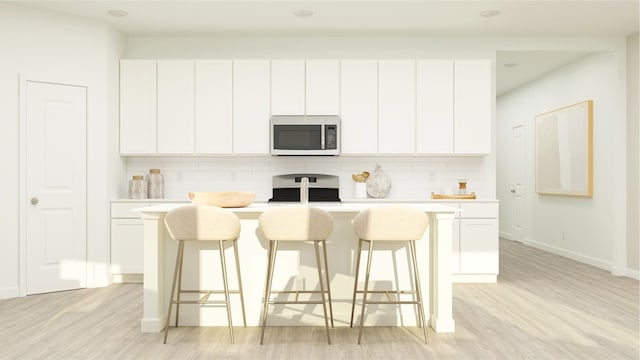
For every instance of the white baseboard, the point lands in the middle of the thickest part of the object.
(634, 274)
(570, 255)
(505, 235)
(8, 293)
(151, 325)
(127, 278)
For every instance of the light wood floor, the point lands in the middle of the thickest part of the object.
(543, 307)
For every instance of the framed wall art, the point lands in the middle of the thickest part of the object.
(564, 151)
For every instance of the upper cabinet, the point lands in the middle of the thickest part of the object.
(472, 106)
(175, 107)
(434, 110)
(322, 87)
(213, 107)
(287, 87)
(396, 106)
(137, 107)
(359, 101)
(300, 87)
(251, 109)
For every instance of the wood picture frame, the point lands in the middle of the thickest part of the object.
(564, 151)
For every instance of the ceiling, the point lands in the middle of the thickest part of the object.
(517, 18)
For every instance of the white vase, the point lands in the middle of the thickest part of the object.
(378, 184)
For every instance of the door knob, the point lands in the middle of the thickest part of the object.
(513, 191)
(34, 201)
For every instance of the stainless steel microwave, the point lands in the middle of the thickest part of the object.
(305, 135)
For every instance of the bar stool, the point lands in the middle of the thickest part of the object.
(203, 223)
(389, 223)
(300, 224)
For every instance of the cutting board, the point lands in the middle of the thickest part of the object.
(453, 196)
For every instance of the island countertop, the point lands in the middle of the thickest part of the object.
(297, 273)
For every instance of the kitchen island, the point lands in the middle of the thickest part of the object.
(389, 270)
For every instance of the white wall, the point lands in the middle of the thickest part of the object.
(633, 151)
(592, 230)
(65, 48)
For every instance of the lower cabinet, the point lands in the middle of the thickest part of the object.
(127, 242)
(475, 243)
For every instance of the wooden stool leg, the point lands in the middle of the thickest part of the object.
(223, 265)
(416, 276)
(267, 287)
(324, 302)
(173, 287)
(355, 284)
(366, 288)
(326, 274)
(235, 251)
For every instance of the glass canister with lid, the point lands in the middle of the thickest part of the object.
(137, 187)
(155, 184)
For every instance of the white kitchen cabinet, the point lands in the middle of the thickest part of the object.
(322, 87)
(213, 107)
(359, 106)
(127, 242)
(251, 110)
(396, 106)
(476, 243)
(434, 108)
(138, 107)
(472, 106)
(175, 107)
(287, 87)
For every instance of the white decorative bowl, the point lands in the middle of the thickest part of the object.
(225, 199)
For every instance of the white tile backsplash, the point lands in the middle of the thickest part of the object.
(412, 177)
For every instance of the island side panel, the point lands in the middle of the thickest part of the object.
(154, 304)
(441, 293)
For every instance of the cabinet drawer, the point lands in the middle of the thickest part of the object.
(479, 210)
(123, 210)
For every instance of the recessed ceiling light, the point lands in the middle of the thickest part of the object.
(489, 13)
(117, 13)
(510, 64)
(303, 13)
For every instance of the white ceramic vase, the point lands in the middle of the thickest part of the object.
(378, 184)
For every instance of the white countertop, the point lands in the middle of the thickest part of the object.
(343, 207)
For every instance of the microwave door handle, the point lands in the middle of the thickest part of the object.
(322, 140)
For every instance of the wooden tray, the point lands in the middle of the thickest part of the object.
(453, 196)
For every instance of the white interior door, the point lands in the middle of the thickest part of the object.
(56, 235)
(517, 190)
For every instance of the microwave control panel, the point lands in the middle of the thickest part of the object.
(331, 137)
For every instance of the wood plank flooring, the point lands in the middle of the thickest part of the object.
(543, 307)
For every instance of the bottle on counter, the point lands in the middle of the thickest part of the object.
(155, 184)
(137, 187)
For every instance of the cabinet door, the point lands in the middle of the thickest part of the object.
(479, 246)
(251, 107)
(323, 87)
(137, 107)
(175, 107)
(472, 106)
(287, 87)
(396, 106)
(213, 107)
(127, 246)
(434, 110)
(359, 101)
